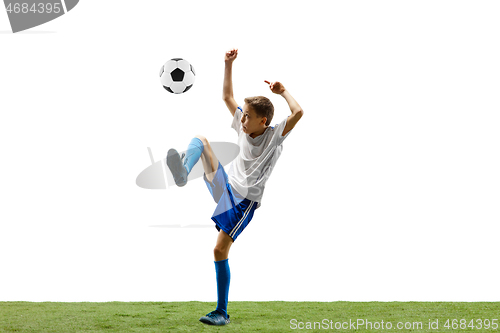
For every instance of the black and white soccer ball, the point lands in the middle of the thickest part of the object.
(177, 76)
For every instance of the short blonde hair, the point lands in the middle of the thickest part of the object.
(262, 107)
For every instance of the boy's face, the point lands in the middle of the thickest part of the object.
(251, 122)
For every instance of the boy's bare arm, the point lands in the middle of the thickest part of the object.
(227, 89)
(297, 113)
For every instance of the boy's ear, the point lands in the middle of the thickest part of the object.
(263, 121)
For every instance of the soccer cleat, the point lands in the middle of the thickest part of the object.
(176, 166)
(215, 318)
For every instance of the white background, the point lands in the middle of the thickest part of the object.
(387, 189)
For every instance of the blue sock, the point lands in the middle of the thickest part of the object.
(193, 154)
(223, 277)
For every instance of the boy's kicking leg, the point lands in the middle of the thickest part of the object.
(208, 158)
(181, 166)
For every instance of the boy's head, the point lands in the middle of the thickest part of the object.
(258, 112)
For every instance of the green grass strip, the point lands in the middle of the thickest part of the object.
(251, 317)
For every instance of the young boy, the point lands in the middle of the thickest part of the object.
(239, 192)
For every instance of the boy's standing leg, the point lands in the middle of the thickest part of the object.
(223, 274)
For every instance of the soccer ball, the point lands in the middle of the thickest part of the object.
(177, 76)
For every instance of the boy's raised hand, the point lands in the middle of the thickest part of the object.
(231, 55)
(276, 87)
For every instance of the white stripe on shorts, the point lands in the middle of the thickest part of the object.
(238, 225)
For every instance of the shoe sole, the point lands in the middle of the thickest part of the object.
(175, 165)
(206, 321)
(209, 321)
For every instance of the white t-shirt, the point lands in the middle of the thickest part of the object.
(252, 167)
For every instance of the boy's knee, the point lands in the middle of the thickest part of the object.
(202, 139)
(219, 251)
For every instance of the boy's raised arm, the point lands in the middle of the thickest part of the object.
(227, 89)
(297, 113)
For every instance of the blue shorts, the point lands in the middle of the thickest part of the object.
(233, 212)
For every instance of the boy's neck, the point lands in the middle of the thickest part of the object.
(256, 134)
